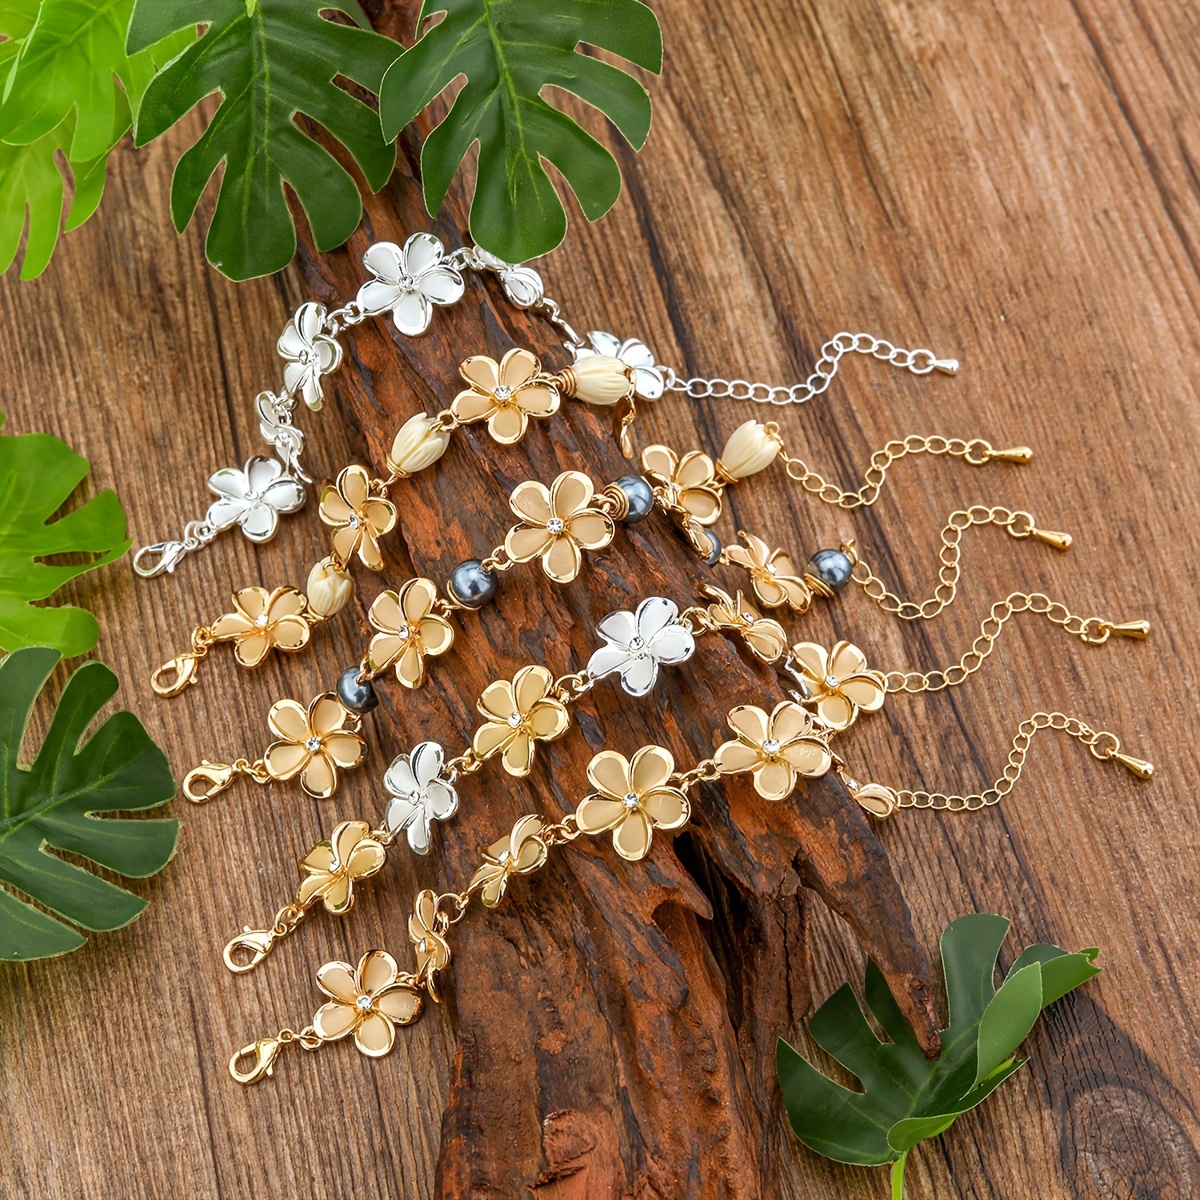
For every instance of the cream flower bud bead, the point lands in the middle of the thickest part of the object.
(420, 442)
(329, 589)
(598, 379)
(750, 449)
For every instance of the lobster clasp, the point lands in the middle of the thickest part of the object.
(257, 943)
(260, 1057)
(207, 780)
(158, 559)
(173, 677)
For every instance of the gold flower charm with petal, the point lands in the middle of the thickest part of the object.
(687, 485)
(633, 799)
(505, 394)
(839, 682)
(358, 518)
(775, 748)
(766, 639)
(426, 930)
(313, 743)
(409, 631)
(519, 715)
(772, 573)
(369, 1001)
(263, 621)
(332, 868)
(520, 853)
(557, 523)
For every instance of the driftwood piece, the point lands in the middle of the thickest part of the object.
(616, 1023)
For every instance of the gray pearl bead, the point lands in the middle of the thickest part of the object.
(471, 585)
(831, 567)
(357, 697)
(641, 498)
(715, 553)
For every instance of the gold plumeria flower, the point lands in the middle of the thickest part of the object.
(773, 574)
(358, 519)
(520, 853)
(332, 868)
(426, 930)
(634, 798)
(505, 394)
(519, 715)
(369, 1001)
(839, 682)
(313, 743)
(262, 621)
(688, 483)
(409, 631)
(557, 523)
(774, 748)
(766, 639)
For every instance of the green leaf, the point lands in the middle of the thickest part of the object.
(37, 475)
(510, 51)
(269, 61)
(61, 801)
(906, 1098)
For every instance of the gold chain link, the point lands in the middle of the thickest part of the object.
(1016, 524)
(977, 452)
(1103, 745)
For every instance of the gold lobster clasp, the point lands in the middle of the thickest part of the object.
(260, 1056)
(207, 780)
(257, 943)
(173, 677)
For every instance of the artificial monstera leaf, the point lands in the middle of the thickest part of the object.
(66, 799)
(37, 475)
(510, 51)
(906, 1097)
(270, 60)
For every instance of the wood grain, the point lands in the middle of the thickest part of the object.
(1013, 185)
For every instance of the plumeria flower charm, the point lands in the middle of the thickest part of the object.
(332, 868)
(420, 794)
(409, 281)
(766, 639)
(634, 798)
(520, 853)
(648, 382)
(838, 682)
(358, 518)
(253, 497)
(689, 484)
(369, 1001)
(409, 631)
(314, 743)
(263, 621)
(518, 716)
(637, 643)
(522, 285)
(505, 394)
(773, 574)
(309, 353)
(774, 748)
(557, 523)
(427, 931)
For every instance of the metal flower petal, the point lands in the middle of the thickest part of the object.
(410, 281)
(774, 748)
(518, 716)
(314, 743)
(687, 486)
(773, 574)
(309, 353)
(557, 523)
(332, 868)
(505, 394)
(409, 631)
(634, 798)
(263, 621)
(253, 497)
(637, 643)
(766, 639)
(838, 683)
(421, 794)
(369, 1001)
(648, 380)
(520, 853)
(358, 515)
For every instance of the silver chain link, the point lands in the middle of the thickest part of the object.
(919, 362)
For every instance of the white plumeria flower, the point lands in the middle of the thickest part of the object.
(409, 281)
(522, 285)
(309, 353)
(648, 382)
(254, 497)
(420, 794)
(637, 643)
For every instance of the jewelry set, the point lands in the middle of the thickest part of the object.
(818, 695)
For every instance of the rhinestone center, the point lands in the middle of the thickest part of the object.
(403, 632)
(630, 800)
(831, 682)
(312, 744)
(407, 282)
(353, 522)
(771, 746)
(261, 621)
(555, 525)
(769, 568)
(514, 720)
(503, 392)
(363, 1003)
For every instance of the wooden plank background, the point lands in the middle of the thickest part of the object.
(1014, 185)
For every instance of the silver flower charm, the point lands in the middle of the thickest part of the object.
(637, 643)
(275, 426)
(309, 353)
(420, 794)
(409, 281)
(522, 285)
(254, 497)
(648, 382)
